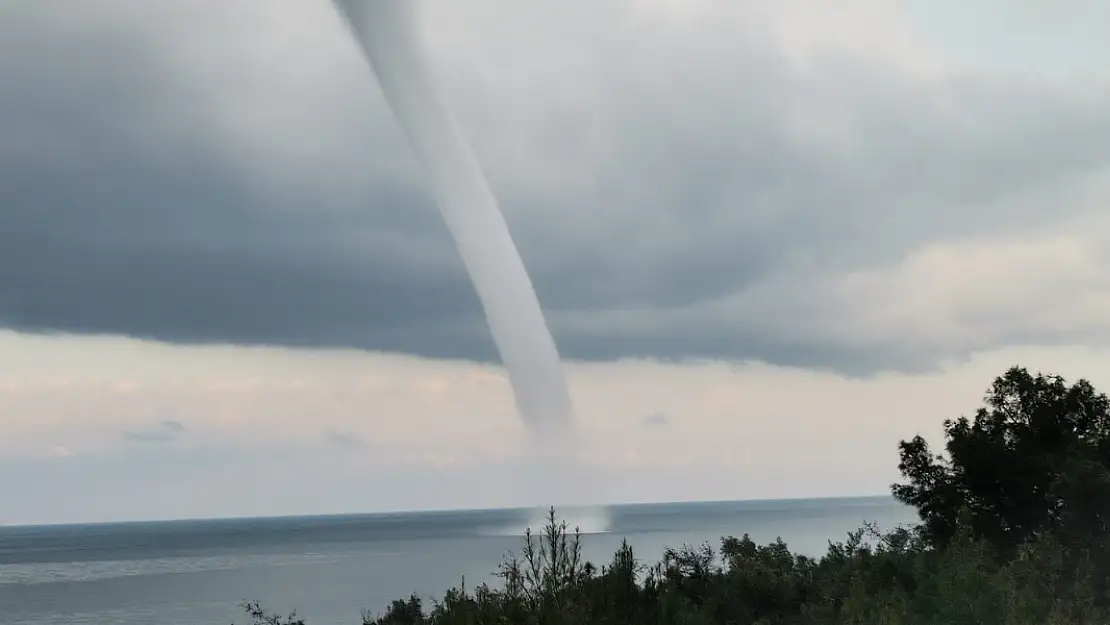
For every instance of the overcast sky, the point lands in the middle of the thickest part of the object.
(772, 240)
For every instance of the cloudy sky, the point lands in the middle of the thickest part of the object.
(772, 240)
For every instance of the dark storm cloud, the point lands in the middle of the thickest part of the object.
(172, 256)
(105, 231)
(132, 202)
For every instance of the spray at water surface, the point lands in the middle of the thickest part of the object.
(386, 30)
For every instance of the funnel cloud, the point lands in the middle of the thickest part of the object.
(386, 31)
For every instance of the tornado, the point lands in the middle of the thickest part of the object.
(388, 34)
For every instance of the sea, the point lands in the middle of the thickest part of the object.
(331, 569)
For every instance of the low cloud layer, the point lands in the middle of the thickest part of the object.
(726, 181)
(161, 432)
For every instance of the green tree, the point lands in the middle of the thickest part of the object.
(1035, 459)
(1014, 517)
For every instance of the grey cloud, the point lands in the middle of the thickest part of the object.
(164, 431)
(655, 419)
(152, 190)
(344, 439)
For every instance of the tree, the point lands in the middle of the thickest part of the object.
(1035, 460)
(1015, 518)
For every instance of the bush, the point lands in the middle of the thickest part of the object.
(871, 578)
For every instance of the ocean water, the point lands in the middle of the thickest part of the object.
(331, 568)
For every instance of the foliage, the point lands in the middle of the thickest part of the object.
(1035, 460)
(871, 578)
(259, 616)
(1012, 531)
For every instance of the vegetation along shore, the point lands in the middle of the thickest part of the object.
(1015, 530)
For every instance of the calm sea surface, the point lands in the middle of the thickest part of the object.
(331, 568)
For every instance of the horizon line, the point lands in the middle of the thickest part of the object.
(394, 512)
